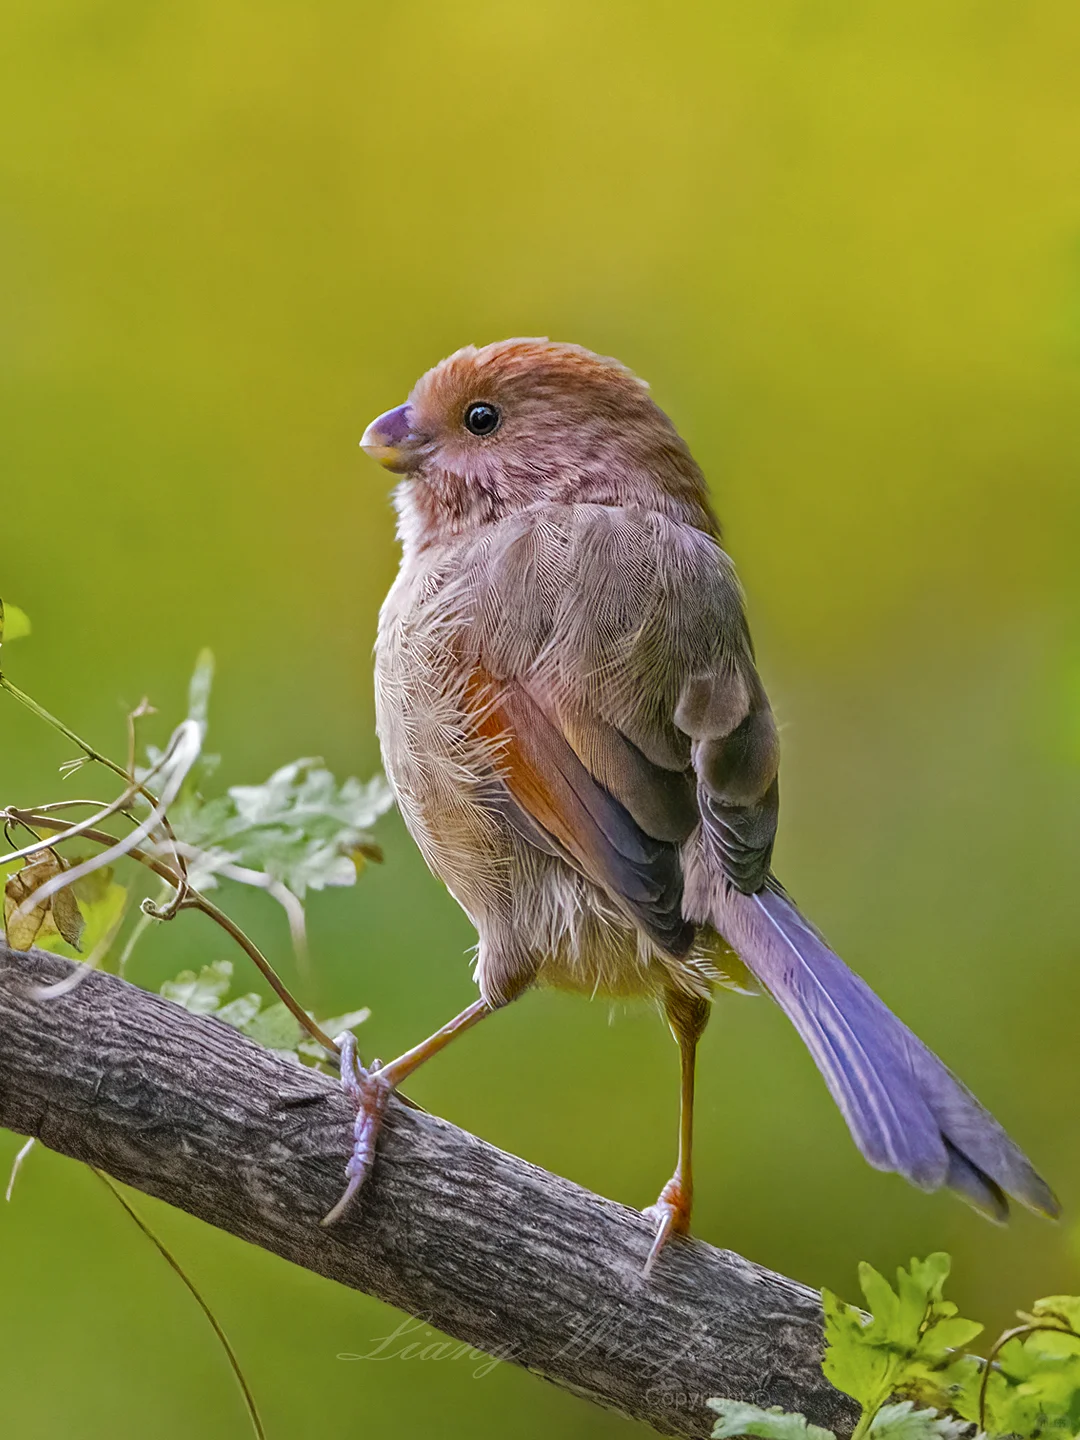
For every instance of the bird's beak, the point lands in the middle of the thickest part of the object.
(391, 441)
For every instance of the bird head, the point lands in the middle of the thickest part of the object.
(508, 426)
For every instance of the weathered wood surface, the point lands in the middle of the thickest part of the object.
(486, 1247)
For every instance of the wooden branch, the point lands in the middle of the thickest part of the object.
(486, 1247)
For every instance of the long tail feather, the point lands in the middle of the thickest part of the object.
(906, 1110)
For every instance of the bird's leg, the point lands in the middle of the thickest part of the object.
(687, 1016)
(369, 1089)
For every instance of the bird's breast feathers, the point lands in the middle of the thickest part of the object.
(528, 682)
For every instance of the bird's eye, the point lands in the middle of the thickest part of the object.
(482, 418)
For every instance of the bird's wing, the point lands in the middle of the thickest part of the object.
(609, 651)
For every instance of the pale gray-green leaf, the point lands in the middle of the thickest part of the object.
(302, 827)
(737, 1418)
(200, 993)
(335, 1026)
(904, 1422)
(241, 1011)
(275, 1027)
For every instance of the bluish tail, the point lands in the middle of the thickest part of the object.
(906, 1110)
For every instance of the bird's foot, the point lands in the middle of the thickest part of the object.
(672, 1215)
(369, 1091)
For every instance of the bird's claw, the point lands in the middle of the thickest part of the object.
(369, 1092)
(672, 1215)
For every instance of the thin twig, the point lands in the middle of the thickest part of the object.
(245, 1389)
(128, 776)
(999, 1344)
(171, 908)
(259, 880)
(185, 897)
(143, 708)
(30, 818)
(16, 1166)
(69, 805)
(91, 963)
(183, 751)
(196, 901)
(138, 930)
(50, 719)
(108, 808)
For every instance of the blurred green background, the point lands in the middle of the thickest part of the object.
(843, 243)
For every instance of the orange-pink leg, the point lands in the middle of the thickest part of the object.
(687, 1016)
(369, 1089)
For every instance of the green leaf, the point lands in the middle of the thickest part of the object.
(14, 623)
(240, 1012)
(853, 1362)
(911, 1344)
(910, 1337)
(1033, 1387)
(275, 1027)
(201, 993)
(1065, 1308)
(272, 1025)
(904, 1422)
(737, 1418)
(102, 913)
(301, 827)
(335, 1026)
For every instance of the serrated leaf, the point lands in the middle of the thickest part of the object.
(949, 1333)
(59, 914)
(911, 1334)
(737, 1418)
(272, 1025)
(851, 1363)
(275, 1027)
(1035, 1386)
(1059, 1307)
(14, 623)
(333, 1027)
(240, 1012)
(338, 1024)
(904, 1422)
(881, 1300)
(926, 1278)
(200, 992)
(911, 1344)
(953, 1386)
(204, 866)
(302, 827)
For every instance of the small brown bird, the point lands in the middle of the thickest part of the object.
(580, 744)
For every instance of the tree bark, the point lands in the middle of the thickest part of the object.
(492, 1250)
